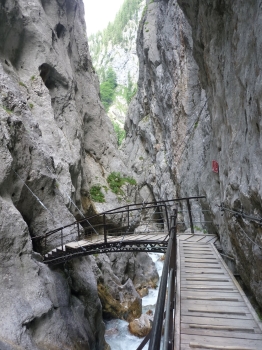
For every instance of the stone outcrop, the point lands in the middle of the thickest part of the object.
(121, 277)
(199, 100)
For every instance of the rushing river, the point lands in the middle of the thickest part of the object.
(117, 333)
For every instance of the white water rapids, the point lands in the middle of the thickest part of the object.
(117, 333)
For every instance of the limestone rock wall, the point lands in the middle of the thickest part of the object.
(168, 121)
(199, 99)
(55, 143)
(227, 48)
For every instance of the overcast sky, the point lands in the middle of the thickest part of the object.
(99, 12)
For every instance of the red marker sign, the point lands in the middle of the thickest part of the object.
(215, 167)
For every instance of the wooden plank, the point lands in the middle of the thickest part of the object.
(242, 334)
(199, 249)
(213, 301)
(193, 254)
(204, 288)
(198, 265)
(206, 272)
(208, 284)
(237, 310)
(209, 342)
(231, 316)
(217, 321)
(217, 347)
(204, 276)
(205, 279)
(209, 294)
(204, 260)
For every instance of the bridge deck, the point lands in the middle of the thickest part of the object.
(212, 312)
(147, 241)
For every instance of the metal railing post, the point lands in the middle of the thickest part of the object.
(128, 216)
(78, 231)
(62, 242)
(168, 226)
(104, 223)
(169, 313)
(190, 215)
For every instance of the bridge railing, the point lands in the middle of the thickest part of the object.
(136, 219)
(145, 219)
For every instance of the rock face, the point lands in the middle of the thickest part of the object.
(228, 55)
(55, 144)
(199, 100)
(167, 124)
(121, 277)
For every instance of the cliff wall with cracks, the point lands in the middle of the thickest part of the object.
(199, 99)
(56, 142)
(168, 121)
(227, 48)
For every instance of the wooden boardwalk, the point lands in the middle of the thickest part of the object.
(212, 312)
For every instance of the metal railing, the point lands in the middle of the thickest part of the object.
(137, 219)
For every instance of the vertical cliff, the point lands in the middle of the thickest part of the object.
(227, 48)
(199, 99)
(56, 143)
(168, 122)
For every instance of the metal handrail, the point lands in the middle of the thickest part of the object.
(156, 331)
(241, 214)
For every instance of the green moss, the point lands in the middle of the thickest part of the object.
(22, 84)
(116, 181)
(96, 194)
(32, 77)
(31, 105)
(7, 110)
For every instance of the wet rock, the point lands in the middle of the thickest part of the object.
(123, 302)
(142, 291)
(141, 326)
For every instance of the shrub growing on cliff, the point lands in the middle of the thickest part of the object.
(116, 181)
(120, 133)
(96, 194)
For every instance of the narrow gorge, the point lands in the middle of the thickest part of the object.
(198, 100)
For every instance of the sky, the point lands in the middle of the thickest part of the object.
(98, 13)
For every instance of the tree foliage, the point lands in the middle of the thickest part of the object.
(130, 90)
(114, 30)
(107, 88)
